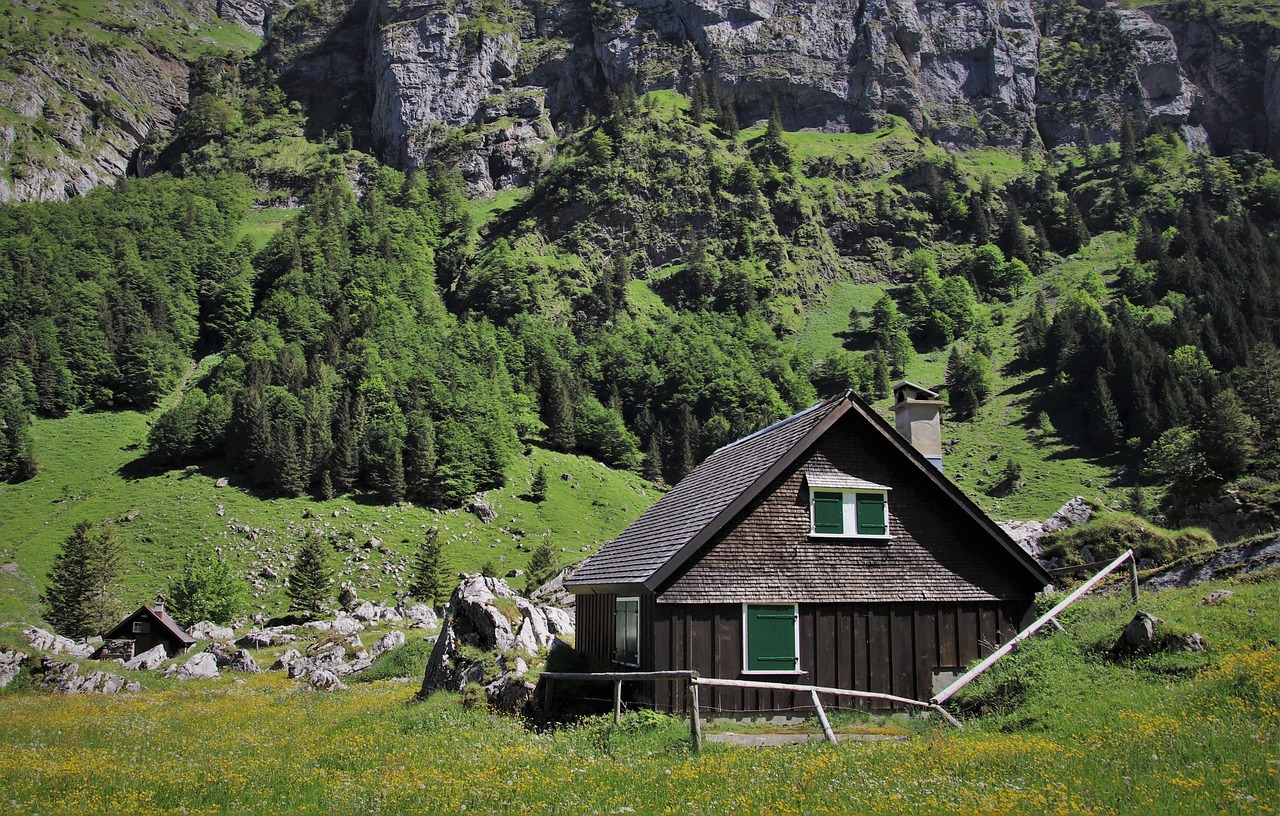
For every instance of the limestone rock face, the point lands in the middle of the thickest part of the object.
(11, 662)
(43, 641)
(481, 614)
(62, 677)
(149, 659)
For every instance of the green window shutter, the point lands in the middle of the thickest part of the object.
(873, 515)
(771, 638)
(828, 513)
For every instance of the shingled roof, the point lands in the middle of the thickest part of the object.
(654, 547)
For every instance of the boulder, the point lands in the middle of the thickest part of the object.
(324, 680)
(347, 598)
(43, 641)
(148, 660)
(208, 630)
(366, 612)
(484, 511)
(559, 621)
(1143, 635)
(64, 677)
(478, 617)
(346, 626)
(202, 666)
(421, 616)
(1030, 534)
(284, 661)
(391, 640)
(11, 662)
(1217, 597)
(229, 658)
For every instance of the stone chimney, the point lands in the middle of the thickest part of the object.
(917, 413)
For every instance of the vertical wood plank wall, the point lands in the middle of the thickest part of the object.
(891, 648)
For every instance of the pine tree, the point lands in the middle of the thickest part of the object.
(542, 566)
(207, 589)
(308, 589)
(651, 467)
(17, 451)
(1226, 436)
(1103, 418)
(80, 600)
(557, 413)
(431, 576)
(538, 490)
(1035, 329)
(684, 441)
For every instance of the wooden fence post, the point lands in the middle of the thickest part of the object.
(695, 717)
(822, 717)
(1133, 577)
(617, 701)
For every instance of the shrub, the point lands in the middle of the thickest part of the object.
(409, 660)
(1109, 536)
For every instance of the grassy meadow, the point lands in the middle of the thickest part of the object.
(92, 468)
(1060, 727)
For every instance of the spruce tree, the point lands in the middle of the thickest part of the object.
(558, 414)
(1104, 418)
(538, 490)
(80, 600)
(17, 451)
(431, 576)
(1226, 436)
(542, 566)
(308, 589)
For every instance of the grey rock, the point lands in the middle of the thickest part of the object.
(201, 666)
(474, 619)
(42, 641)
(391, 640)
(230, 658)
(284, 661)
(222, 482)
(208, 630)
(366, 612)
(63, 677)
(484, 511)
(346, 626)
(1217, 597)
(148, 660)
(1140, 633)
(325, 680)
(421, 616)
(11, 662)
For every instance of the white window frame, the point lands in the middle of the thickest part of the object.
(142, 627)
(617, 658)
(849, 507)
(746, 656)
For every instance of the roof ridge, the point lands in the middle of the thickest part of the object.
(782, 422)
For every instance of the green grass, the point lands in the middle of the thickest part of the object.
(1086, 734)
(825, 320)
(90, 470)
(261, 223)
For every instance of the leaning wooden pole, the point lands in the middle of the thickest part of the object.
(964, 679)
(695, 719)
(822, 717)
(1133, 578)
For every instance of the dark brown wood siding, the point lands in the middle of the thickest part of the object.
(888, 648)
(594, 627)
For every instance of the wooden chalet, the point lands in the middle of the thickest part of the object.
(146, 628)
(824, 550)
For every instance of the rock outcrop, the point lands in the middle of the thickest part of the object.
(1030, 534)
(488, 616)
(64, 677)
(42, 641)
(11, 662)
(148, 660)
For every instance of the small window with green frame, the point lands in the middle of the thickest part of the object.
(771, 638)
(849, 513)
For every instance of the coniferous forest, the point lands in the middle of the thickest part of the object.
(637, 303)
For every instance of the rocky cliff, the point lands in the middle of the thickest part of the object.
(81, 93)
(968, 73)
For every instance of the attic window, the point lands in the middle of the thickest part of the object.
(626, 631)
(141, 627)
(849, 513)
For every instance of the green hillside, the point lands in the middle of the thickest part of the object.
(92, 469)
